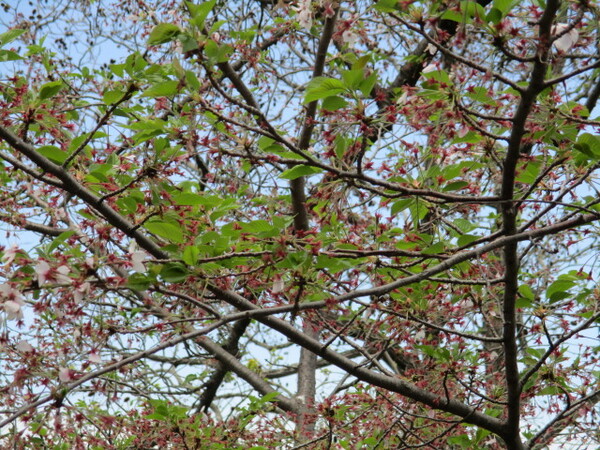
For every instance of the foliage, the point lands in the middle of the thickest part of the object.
(308, 224)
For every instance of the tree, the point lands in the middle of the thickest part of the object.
(311, 224)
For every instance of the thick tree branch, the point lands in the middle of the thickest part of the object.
(307, 365)
(216, 379)
(509, 225)
(440, 402)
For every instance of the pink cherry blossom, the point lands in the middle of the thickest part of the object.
(566, 41)
(278, 286)
(62, 275)
(304, 14)
(137, 261)
(81, 291)
(24, 346)
(13, 302)
(13, 310)
(94, 357)
(10, 254)
(42, 270)
(65, 374)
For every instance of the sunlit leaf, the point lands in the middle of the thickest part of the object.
(167, 230)
(300, 171)
(162, 33)
(50, 89)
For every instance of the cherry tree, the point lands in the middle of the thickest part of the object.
(308, 224)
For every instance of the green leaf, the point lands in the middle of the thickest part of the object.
(323, 87)
(386, 6)
(462, 441)
(400, 205)
(218, 53)
(192, 80)
(456, 185)
(589, 145)
(469, 138)
(162, 33)
(503, 5)
(526, 292)
(219, 23)
(257, 226)
(550, 390)
(434, 249)
(167, 230)
(472, 9)
(118, 69)
(139, 282)
(188, 42)
(135, 63)
(481, 95)
(189, 199)
(559, 290)
(523, 302)
(299, 171)
(54, 154)
(418, 211)
(61, 238)
(468, 11)
(353, 78)
(190, 255)
(453, 15)
(10, 36)
(77, 141)
(174, 272)
(530, 172)
(466, 239)
(50, 89)
(464, 225)
(334, 103)
(335, 265)
(438, 75)
(162, 89)
(367, 85)
(494, 16)
(112, 96)
(200, 12)
(9, 55)
(500, 9)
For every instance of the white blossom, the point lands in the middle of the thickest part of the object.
(13, 310)
(403, 98)
(430, 68)
(42, 270)
(62, 275)
(65, 374)
(566, 41)
(349, 37)
(94, 357)
(420, 335)
(137, 261)
(13, 302)
(81, 291)
(9, 254)
(24, 346)
(304, 14)
(278, 286)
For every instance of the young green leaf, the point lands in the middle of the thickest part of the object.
(162, 33)
(50, 89)
(299, 171)
(322, 87)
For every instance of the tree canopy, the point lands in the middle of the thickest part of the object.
(299, 224)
